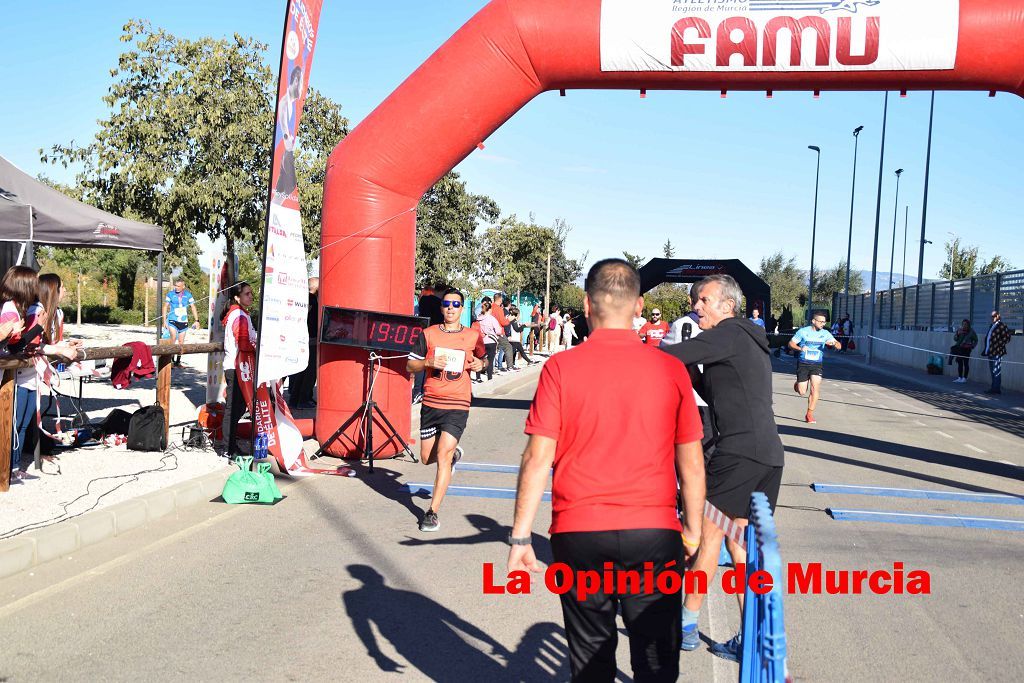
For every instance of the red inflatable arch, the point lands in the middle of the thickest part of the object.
(513, 50)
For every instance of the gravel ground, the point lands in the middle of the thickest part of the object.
(92, 478)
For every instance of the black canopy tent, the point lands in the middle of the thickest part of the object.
(756, 291)
(32, 212)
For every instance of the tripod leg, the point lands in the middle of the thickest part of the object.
(394, 435)
(338, 432)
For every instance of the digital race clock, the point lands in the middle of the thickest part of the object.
(371, 330)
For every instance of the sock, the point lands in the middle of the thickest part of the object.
(689, 618)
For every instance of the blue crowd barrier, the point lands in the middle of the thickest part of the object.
(764, 629)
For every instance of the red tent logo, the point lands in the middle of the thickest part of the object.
(106, 230)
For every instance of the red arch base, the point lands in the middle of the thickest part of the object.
(506, 55)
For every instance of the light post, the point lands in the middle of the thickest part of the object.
(853, 190)
(874, 249)
(903, 272)
(895, 212)
(924, 207)
(814, 232)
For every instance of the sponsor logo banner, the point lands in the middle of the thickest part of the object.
(779, 35)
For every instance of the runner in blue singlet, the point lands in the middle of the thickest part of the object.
(811, 341)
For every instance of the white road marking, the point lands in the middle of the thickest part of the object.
(919, 423)
(900, 414)
(1007, 462)
(943, 434)
(975, 449)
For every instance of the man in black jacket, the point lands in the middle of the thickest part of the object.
(748, 454)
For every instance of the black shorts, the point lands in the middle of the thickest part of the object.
(178, 325)
(434, 420)
(732, 478)
(805, 370)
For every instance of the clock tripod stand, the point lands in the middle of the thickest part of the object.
(366, 415)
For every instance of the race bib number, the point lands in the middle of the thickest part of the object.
(812, 355)
(180, 311)
(454, 359)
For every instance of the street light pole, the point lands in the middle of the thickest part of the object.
(895, 212)
(924, 207)
(853, 191)
(814, 232)
(903, 271)
(878, 216)
(952, 252)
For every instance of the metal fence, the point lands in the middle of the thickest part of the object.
(764, 628)
(940, 306)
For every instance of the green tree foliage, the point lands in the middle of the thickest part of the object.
(832, 281)
(187, 142)
(787, 282)
(514, 256)
(569, 297)
(668, 250)
(672, 299)
(968, 262)
(634, 260)
(447, 245)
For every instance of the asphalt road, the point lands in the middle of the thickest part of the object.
(335, 582)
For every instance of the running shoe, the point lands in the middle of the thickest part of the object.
(691, 638)
(457, 456)
(730, 649)
(429, 521)
(809, 418)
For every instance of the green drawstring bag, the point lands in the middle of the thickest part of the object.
(270, 486)
(246, 486)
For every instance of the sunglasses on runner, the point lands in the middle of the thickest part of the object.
(451, 304)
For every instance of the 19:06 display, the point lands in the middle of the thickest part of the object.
(396, 333)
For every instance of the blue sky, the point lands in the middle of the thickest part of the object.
(721, 177)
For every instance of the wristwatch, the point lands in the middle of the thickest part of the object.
(512, 540)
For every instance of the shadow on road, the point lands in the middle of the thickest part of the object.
(964, 462)
(488, 531)
(502, 403)
(430, 637)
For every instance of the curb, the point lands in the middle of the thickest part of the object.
(33, 548)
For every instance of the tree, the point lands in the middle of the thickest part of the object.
(187, 142)
(569, 297)
(832, 281)
(966, 262)
(447, 246)
(668, 250)
(516, 256)
(787, 282)
(634, 260)
(673, 300)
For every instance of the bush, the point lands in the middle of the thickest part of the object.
(105, 314)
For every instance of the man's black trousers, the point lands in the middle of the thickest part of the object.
(652, 620)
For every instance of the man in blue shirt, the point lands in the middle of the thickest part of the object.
(755, 317)
(811, 341)
(176, 307)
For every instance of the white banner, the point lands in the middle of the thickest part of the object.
(779, 35)
(284, 339)
(222, 276)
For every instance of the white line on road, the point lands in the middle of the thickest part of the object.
(975, 449)
(1007, 462)
(943, 434)
(900, 414)
(919, 423)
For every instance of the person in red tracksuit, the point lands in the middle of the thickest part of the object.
(239, 336)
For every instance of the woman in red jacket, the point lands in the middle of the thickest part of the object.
(239, 337)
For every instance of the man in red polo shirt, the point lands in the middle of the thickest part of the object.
(616, 446)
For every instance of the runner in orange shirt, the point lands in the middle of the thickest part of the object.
(447, 351)
(654, 330)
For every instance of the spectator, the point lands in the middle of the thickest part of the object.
(535, 328)
(607, 508)
(554, 329)
(846, 333)
(239, 338)
(25, 321)
(964, 342)
(489, 330)
(176, 306)
(301, 384)
(638, 322)
(755, 317)
(568, 331)
(654, 331)
(517, 335)
(995, 348)
(748, 453)
(500, 313)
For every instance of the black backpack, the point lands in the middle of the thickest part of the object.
(116, 422)
(146, 430)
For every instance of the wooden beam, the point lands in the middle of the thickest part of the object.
(6, 428)
(163, 390)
